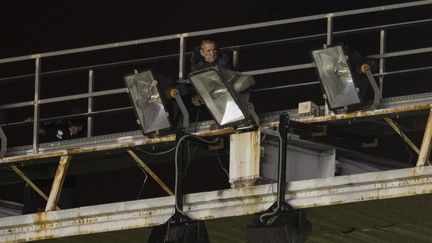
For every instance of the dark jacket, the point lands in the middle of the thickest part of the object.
(197, 61)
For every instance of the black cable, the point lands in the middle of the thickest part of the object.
(176, 160)
(220, 164)
(142, 186)
(157, 153)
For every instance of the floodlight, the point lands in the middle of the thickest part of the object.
(225, 93)
(344, 85)
(146, 99)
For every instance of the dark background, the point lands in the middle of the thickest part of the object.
(28, 27)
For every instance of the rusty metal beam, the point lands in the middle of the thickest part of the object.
(58, 183)
(216, 204)
(129, 141)
(426, 143)
(120, 143)
(372, 114)
(395, 127)
(150, 172)
(29, 182)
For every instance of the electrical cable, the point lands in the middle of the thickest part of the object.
(176, 161)
(144, 182)
(278, 207)
(190, 154)
(220, 164)
(157, 153)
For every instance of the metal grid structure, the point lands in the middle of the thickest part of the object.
(302, 194)
(329, 34)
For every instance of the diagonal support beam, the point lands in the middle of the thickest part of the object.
(426, 143)
(30, 183)
(405, 137)
(150, 172)
(58, 183)
(402, 134)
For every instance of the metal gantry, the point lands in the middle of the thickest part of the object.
(233, 202)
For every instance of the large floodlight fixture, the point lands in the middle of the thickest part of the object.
(225, 93)
(146, 99)
(345, 85)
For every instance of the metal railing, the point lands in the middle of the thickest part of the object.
(328, 37)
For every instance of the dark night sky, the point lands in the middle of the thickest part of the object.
(28, 27)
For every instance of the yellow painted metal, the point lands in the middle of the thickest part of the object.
(58, 183)
(29, 182)
(426, 143)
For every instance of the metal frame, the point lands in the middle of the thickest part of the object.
(426, 143)
(329, 35)
(217, 204)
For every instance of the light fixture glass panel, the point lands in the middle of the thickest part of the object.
(217, 97)
(144, 93)
(336, 77)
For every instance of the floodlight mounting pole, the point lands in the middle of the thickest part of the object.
(253, 114)
(280, 205)
(3, 140)
(175, 93)
(284, 125)
(365, 68)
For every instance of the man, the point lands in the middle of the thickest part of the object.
(208, 55)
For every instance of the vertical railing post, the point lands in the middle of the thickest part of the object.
(36, 105)
(235, 56)
(382, 60)
(329, 40)
(182, 57)
(90, 103)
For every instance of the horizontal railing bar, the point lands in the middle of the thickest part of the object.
(239, 47)
(18, 77)
(91, 48)
(65, 98)
(254, 72)
(336, 33)
(285, 87)
(317, 82)
(403, 53)
(308, 18)
(82, 96)
(280, 69)
(219, 30)
(93, 113)
(408, 70)
(16, 105)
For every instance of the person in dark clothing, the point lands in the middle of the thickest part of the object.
(208, 55)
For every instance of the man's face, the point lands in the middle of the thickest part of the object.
(209, 52)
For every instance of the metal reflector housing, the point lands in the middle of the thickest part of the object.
(145, 96)
(336, 76)
(214, 86)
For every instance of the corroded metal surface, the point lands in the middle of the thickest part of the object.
(426, 143)
(128, 142)
(216, 204)
(367, 114)
(58, 183)
(120, 143)
(244, 166)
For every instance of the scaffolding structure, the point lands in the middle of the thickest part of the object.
(336, 190)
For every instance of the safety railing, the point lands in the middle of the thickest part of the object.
(326, 37)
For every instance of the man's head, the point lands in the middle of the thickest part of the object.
(209, 51)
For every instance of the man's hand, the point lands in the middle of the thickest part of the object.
(196, 100)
